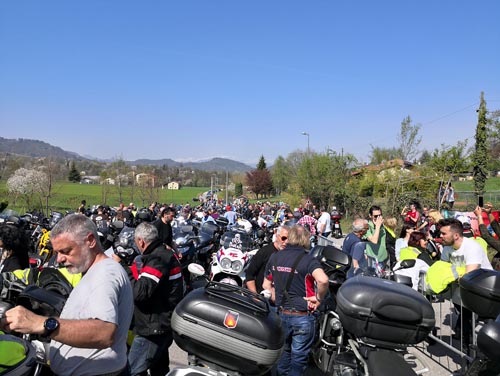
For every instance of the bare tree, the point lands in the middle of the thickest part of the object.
(409, 139)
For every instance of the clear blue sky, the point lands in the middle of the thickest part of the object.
(191, 80)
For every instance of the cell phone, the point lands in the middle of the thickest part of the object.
(480, 201)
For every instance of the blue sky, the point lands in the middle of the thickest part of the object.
(191, 80)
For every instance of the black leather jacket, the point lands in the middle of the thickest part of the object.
(158, 286)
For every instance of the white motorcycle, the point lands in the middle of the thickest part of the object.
(230, 261)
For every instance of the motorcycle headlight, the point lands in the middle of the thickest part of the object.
(225, 263)
(237, 266)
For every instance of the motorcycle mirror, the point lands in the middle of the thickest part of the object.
(196, 269)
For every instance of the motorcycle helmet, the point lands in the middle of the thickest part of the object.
(126, 238)
(55, 217)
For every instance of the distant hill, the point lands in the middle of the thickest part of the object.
(214, 164)
(38, 149)
(35, 149)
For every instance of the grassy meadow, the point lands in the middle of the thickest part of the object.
(67, 196)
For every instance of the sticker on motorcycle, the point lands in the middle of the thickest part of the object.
(231, 319)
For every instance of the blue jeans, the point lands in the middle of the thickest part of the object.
(150, 353)
(300, 332)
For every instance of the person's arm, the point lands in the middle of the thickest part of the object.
(313, 302)
(268, 285)
(93, 333)
(423, 225)
(375, 236)
(152, 271)
(472, 267)
(252, 270)
(485, 234)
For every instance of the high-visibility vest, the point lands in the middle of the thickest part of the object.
(482, 242)
(29, 276)
(408, 253)
(441, 274)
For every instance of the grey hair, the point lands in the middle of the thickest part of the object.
(359, 225)
(280, 228)
(298, 235)
(147, 232)
(78, 225)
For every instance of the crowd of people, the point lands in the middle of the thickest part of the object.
(90, 336)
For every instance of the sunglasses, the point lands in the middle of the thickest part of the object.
(283, 238)
(377, 215)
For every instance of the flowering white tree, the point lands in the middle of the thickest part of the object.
(29, 185)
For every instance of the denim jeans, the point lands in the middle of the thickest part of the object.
(300, 332)
(150, 353)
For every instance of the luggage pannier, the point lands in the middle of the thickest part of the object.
(384, 312)
(230, 327)
(480, 292)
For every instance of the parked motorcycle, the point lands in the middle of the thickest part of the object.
(367, 322)
(230, 261)
(335, 217)
(27, 352)
(226, 330)
(480, 293)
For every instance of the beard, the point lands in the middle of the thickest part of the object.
(86, 261)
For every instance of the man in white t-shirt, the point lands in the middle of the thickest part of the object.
(90, 336)
(324, 227)
(463, 250)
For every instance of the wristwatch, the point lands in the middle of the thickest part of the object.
(50, 325)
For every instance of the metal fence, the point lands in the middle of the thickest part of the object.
(469, 198)
(450, 333)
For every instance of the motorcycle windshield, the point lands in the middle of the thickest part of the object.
(237, 240)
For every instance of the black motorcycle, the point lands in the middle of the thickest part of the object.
(480, 293)
(367, 322)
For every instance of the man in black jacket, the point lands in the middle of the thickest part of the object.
(158, 286)
(257, 266)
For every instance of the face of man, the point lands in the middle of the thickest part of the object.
(447, 236)
(170, 217)
(76, 257)
(375, 215)
(281, 239)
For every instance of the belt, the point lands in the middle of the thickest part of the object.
(294, 313)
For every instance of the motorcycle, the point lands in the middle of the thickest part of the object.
(27, 353)
(367, 322)
(229, 262)
(226, 330)
(335, 217)
(479, 293)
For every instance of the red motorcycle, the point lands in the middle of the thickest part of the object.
(335, 217)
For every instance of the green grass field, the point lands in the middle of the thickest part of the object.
(67, 196)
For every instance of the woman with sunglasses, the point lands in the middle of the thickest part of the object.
(417, 248)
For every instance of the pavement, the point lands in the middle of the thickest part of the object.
(426, 359)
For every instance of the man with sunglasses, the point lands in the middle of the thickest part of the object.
(257, 266)
(375, 235)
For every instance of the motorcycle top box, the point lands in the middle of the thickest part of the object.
(230, 327)
(384, 312)
(480, 292)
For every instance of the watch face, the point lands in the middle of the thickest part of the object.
(51, 324)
